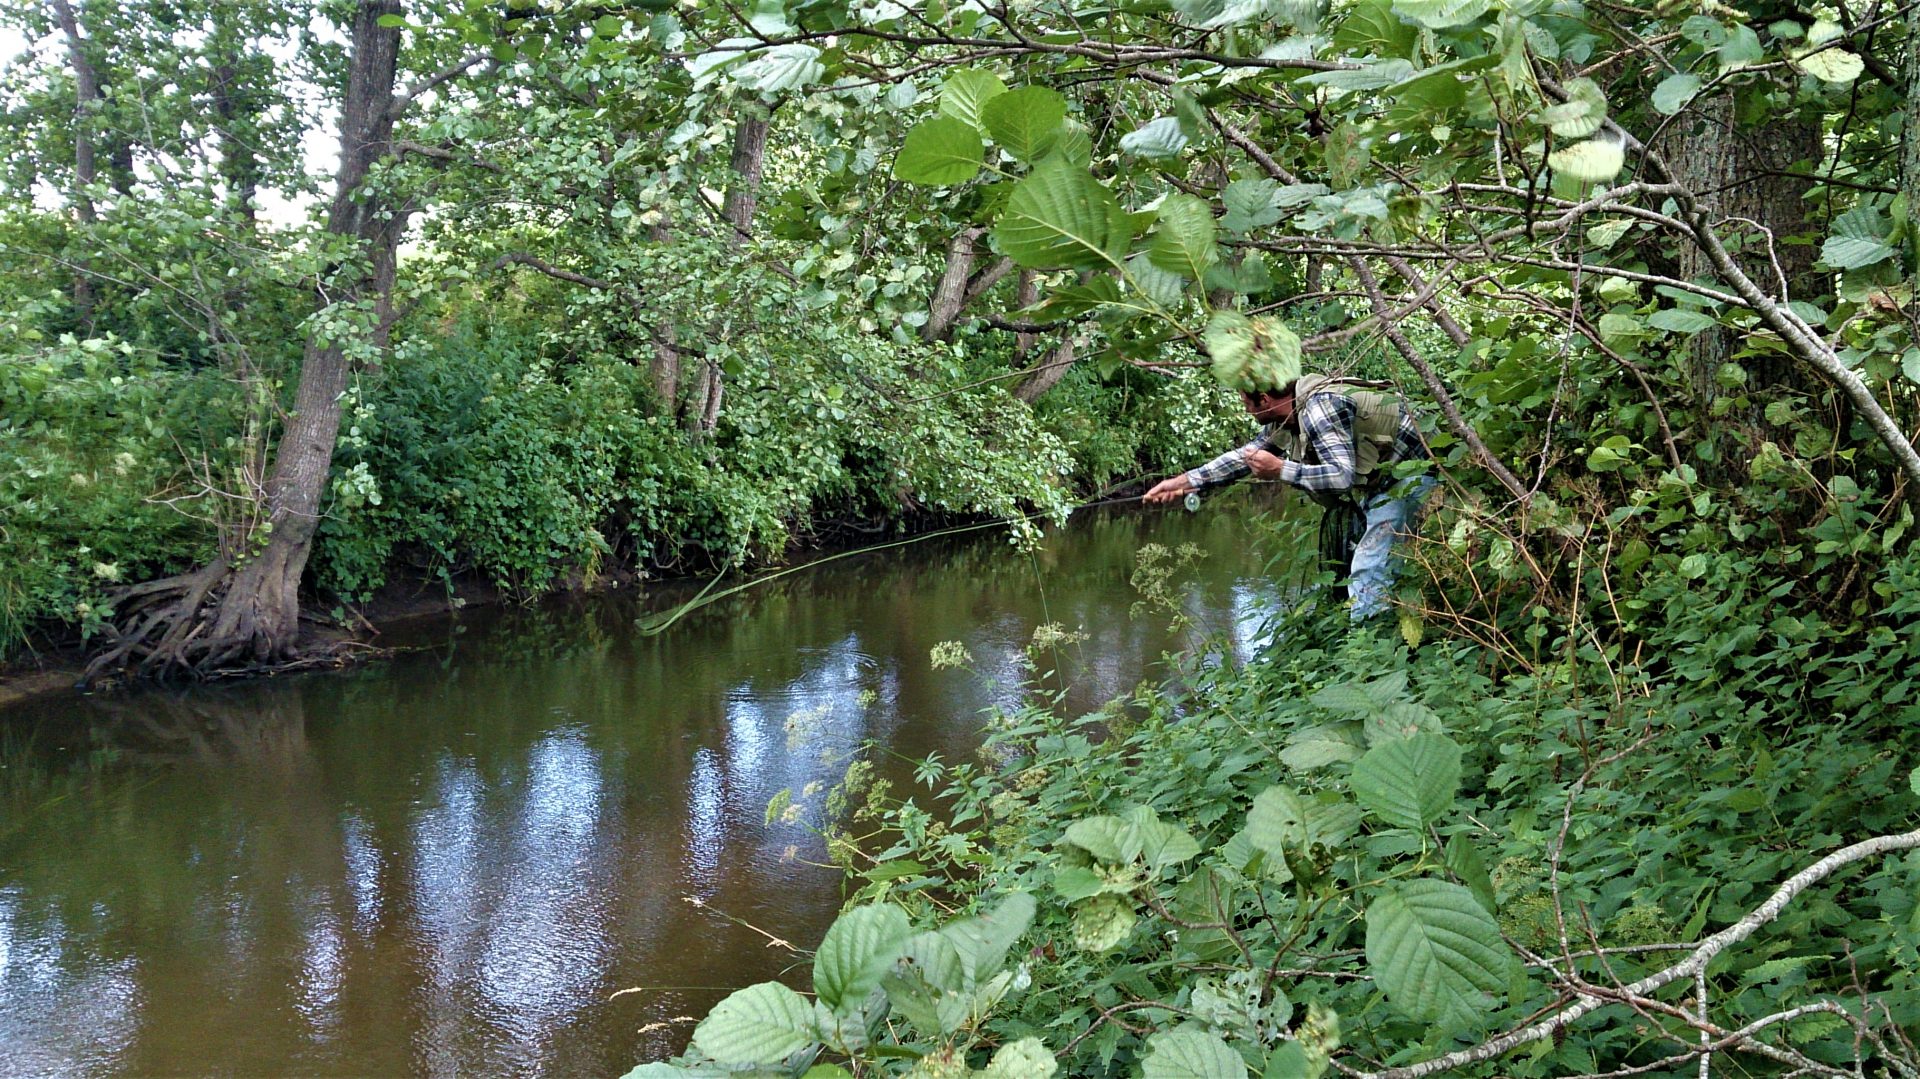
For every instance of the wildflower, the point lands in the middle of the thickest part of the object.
(950, 654)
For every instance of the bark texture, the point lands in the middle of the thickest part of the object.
(1738, 174)
(950, 295)
(259, 615)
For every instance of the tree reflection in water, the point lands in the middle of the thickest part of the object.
(445, 864)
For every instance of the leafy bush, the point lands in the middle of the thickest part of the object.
(96, 443)
(1390, 855)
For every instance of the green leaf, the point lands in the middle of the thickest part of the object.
(940, 151)
(1321, 745)
(760, 1024)
(1277, 823)
(1160, 844)
(1441, 14)
(1829, 64)
(982, 940)
(1581, 114)
(1024, 1059)
(1401, 719)
(1163, 287)
(1464, 861)
(857, 950)
(1436, 952)
(781, 67)
(966, 92)
(1252, 355)
(1073, 144)
(1370, 28)
(1859, 239)
(1681, 320)
(1250, 205)
(1160, 137)
(1913, 777)
(1409, 782)
(1105, 837)
(1190, 1054)
(1592, 161)
(1607, 233)
(1674, 92)
(1059, 217)
(1025, 122)
(1183, 242)
(388, 22)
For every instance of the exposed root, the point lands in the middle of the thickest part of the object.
(167, 629)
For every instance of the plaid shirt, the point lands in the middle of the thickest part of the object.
(1326, 425)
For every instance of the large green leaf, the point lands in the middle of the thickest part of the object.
(1059, 217)
(966, 92)
(857, 950)
(1859, 239)
(1322, 744)
(1025, 122)
(1675, 91)
(781, 67)
(1409, 781)
(1183, 242)
(1593, 161)
(1441, 14)
(1159, 137)
(760, 1024)
(1581, 114)
(1190, 1054)
(939, 151)
(982, 940)
(1277, 822)
(1436, 952)
(1370, 28)
(1250, 205)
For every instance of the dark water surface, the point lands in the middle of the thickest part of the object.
(448, 863)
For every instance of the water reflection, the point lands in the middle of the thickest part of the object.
(447, 864)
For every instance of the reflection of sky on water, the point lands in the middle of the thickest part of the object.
(44, 979)
(470, 852)
(363, 872)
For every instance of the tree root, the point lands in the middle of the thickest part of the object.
(165, 630)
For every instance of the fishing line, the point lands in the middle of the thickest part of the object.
(657, 624)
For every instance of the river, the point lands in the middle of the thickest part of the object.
(448, 862)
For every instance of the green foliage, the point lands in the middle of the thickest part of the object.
(101, 446)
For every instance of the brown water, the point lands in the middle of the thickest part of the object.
(447, 863)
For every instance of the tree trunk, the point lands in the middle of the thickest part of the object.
(259, 615)
(950, 295)
(1026, 293)
(749, 160)
(1049, 373)
(86, 111)
(1736, 174)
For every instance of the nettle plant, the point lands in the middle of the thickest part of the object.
(1275, 884)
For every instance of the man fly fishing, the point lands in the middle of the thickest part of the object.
(1335, 438)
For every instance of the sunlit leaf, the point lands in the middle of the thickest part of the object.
(756, 1025)
(1060, 217)
(1592, 161)
(1183, 241)
(1025, 122)
(939, 151)
(966, 92)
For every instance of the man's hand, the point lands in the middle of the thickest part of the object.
(1168, 490)
(1264, 465)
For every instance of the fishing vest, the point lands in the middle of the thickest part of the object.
(1376, 423)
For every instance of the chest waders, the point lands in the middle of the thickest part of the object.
(1376, 422)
